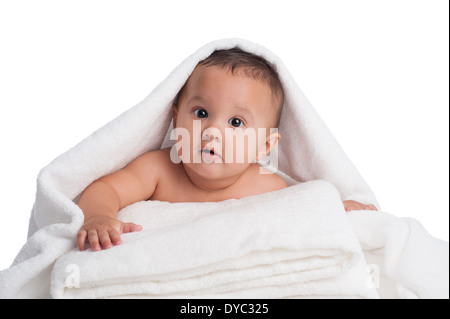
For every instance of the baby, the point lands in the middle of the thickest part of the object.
(230, 91)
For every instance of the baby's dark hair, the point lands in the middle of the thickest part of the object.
(251, 65)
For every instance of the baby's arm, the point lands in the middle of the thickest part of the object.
(350, 205)
(102, 199)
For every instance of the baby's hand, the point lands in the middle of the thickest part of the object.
(354, 205)
(103, 232)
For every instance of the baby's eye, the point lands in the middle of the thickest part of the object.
(201, 113)
(235, 122)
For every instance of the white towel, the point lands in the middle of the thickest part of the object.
(307, 151)
(409, 262)
(292, 243)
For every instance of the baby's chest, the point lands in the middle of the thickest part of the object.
(184, 191)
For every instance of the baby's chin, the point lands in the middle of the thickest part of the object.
(216, 170)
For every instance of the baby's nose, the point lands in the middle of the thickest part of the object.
(212, 133)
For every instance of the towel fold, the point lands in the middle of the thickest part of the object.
(407, 260)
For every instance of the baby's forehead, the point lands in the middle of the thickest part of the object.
(202, 75)
(207, 79)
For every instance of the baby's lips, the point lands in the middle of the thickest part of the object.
(207, 148)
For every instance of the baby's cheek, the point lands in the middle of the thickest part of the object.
(235, 150)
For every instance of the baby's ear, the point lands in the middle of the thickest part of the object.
(174, 114)
(271, 141)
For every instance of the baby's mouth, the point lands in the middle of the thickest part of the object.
(210, 153)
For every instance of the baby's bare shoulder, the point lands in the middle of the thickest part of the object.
(162, 155)
(152, 161)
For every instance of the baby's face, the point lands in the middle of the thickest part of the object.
(228, 117)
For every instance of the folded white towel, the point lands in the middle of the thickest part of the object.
(295, 242)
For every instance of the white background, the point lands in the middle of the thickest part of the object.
(376, 71)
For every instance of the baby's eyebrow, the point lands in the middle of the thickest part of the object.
(196, 98)
(243, 110)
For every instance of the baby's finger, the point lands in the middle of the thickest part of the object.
(93, 240)
(371, 207)
(105, 241)
(115, 237)
(130, 227)
(81, 239)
